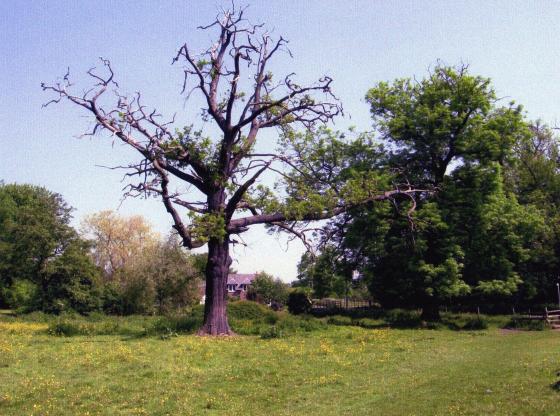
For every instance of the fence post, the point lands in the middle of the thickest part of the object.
(478, 310)
(546, 313)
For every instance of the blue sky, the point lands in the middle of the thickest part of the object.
(358, 43)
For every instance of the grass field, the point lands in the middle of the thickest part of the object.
(333, 370)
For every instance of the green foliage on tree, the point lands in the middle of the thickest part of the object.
(323, 274)
(470, 237)
(162, 278)
(497, 233)
(534, 177)
(43, 263)
(267, 289)
(71, 282)
(449, 116)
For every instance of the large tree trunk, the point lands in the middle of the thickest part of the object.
(217, 268)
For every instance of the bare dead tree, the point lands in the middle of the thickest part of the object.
(241, 98)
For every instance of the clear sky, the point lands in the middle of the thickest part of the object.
(358, 43)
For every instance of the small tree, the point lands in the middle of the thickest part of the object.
(117, 240)
(242, 97)
(268, 289)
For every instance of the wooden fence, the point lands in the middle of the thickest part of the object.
(550, 316)
(328, 304)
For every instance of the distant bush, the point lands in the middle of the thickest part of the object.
(476, 324)
(518, 322)
(175, 324)
(271, 332)
(267, 289)
(21, 296)
(403, 318)
(340, 320)
(63, 328)
(298, 324)
(245, 318)
(348, 321)
(299, 302)
(249, 310)
(73, 324)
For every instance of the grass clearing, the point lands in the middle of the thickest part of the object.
(332, 370)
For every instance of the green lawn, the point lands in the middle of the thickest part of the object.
(335, 371)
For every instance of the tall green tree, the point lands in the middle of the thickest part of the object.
(534, 177)
(448, 121)
(39, 246)
(498, 235)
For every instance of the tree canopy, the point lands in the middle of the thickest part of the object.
(471, 238)
(43, 261)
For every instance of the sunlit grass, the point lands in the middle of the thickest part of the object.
(335, 371)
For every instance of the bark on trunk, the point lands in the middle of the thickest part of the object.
(217, 268)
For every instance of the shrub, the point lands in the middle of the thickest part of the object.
(297, 324)
(299, 302)
(518, 322)
(476, 323)
(271, 332)
(21, 295)
(402, 318)
(70, 324)
(249, 318)
(348, 321)
(64, 328)
(340, 320)
(175, 324)
(249, 310)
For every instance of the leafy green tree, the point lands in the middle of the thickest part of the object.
(324, 274)
(534, 177)
(161, 278)
(501, 232)
(268, 289)
(437, 130)
(416, 267)
(71, 282)
(35, 228)
(39, 247)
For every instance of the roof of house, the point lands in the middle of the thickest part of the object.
(240, 279)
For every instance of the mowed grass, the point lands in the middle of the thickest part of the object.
(337, 370)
